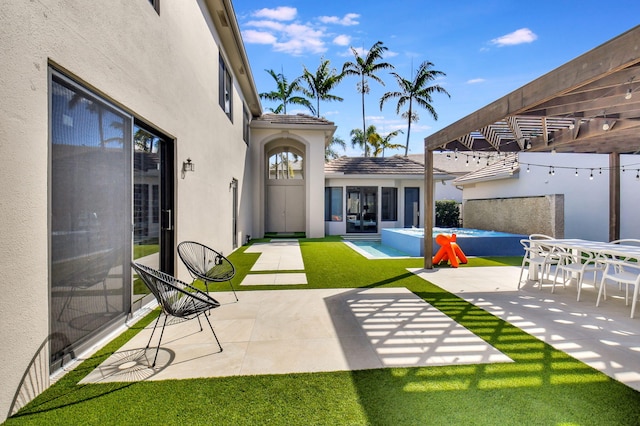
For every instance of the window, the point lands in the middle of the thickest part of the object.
(333, 204)
(246, 122)
(284, 164)
(389, 204)
(225, 94)
(156, 5)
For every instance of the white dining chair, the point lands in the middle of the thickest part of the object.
(622, 272)
(538, 258)
(575, 264)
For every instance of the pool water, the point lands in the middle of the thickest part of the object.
(473, 242)
(374, 249)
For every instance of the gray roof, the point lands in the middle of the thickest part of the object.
(506, 168)
(454, 163)
(396, 165)
(301, 119)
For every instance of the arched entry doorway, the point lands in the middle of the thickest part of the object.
(285, 187)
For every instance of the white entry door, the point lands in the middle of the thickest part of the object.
(285, 208)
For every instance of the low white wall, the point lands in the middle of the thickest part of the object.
(586, 209)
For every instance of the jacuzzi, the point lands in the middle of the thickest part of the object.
(473, 242)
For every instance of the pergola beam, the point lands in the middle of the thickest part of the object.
(615, 55)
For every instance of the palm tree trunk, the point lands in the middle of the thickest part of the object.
(364, 125)
(406, 147)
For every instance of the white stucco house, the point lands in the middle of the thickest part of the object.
(127, 128)
(577, 184)
(364, 195)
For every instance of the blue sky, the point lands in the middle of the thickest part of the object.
(486, 49)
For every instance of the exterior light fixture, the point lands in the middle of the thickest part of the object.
(188, 166)
(576, 172)
(591, 175)
(629, 94)
(606, 126)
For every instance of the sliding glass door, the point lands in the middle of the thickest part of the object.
(95, 198)
(362, 209)
(90, 207)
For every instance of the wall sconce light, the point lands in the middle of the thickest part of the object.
(606, 126)
(629, 94)
(188, 166)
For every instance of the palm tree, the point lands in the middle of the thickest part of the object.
(369, 139)
(385, 143)
(285, 94)
(366, 68)
(418, 91)
(329, 152)
(321, 83)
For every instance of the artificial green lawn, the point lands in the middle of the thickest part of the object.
(543, 386)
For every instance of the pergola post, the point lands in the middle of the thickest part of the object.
(614, 196)
(428, 208)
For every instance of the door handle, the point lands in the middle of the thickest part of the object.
(169, 226)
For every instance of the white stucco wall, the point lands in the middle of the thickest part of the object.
(586, 200)
(162, 68)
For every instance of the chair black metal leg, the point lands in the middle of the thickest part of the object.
(198, 317)
(234, 290)
(153, 331)
(160, 340)
(214, 333)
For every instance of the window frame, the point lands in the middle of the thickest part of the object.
(246, 123)
(225, 88)
(156, 5)
(389, 213)
(329, 204)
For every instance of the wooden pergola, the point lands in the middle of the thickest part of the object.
(588, 105)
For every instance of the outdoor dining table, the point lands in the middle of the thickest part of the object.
(596, 247)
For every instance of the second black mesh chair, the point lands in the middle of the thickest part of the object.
(177, 299)
(206, 264)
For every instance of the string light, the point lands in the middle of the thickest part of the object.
(511, 160)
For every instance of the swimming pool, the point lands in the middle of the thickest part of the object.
(374, 249)
(473, 242)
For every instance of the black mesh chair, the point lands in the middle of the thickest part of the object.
(206, 264)
(176, 298)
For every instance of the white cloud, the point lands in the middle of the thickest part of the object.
(282, 13)
(270, 25)
(293, 38)
(258, 37)
(349, 19)
(280, 28)
(342, 40)
(523, 35)
(476, 81)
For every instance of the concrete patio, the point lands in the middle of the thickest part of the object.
(289, 331)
